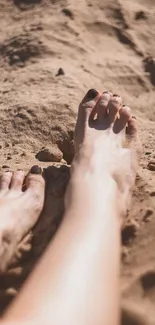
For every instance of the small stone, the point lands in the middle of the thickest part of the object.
(47, 154)
(151, 165)
(5, 166)
(140, 15)
(15, 271)
(147, 215)
(60, 72)
(63, 161)
(11, 292)
(25, 247)
(68, 13)
(23, 154)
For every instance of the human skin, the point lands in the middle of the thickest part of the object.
(19, 210)
(77, 279)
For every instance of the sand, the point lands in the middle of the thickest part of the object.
(51, 53)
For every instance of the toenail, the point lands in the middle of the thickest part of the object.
(92, 93)
(36, 170)
(134, 117)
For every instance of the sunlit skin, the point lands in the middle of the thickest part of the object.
(77, 279)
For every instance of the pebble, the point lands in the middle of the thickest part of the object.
(60, 72)
(23, 154)
(147, 215)
(68, 13)
(52, 154)
(151, 165)
(5, 166)
(11, 292)
(16, 271)
(140, 15)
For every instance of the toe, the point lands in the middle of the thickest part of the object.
(86, 108)
(133, 136)
(87, 105)
(101, 107)
(5, 180)
(17, 180)
(132, 127)
(35, 183)
(113, 108)
(120, 123)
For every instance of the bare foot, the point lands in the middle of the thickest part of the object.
(19, 211)
(106, 140)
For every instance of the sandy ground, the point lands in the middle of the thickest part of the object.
(51, 53)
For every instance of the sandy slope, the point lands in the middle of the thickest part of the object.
(98, 43)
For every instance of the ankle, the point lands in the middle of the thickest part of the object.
(90, 183)
(94, 189)
(87, 163)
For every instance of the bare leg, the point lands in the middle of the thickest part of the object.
(77, 280)
(19, 210)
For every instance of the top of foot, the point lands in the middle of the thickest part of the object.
(106, 138)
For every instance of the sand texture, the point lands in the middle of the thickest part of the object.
(51, 53)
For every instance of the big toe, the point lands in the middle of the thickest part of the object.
(87, 105)
(85, 111)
